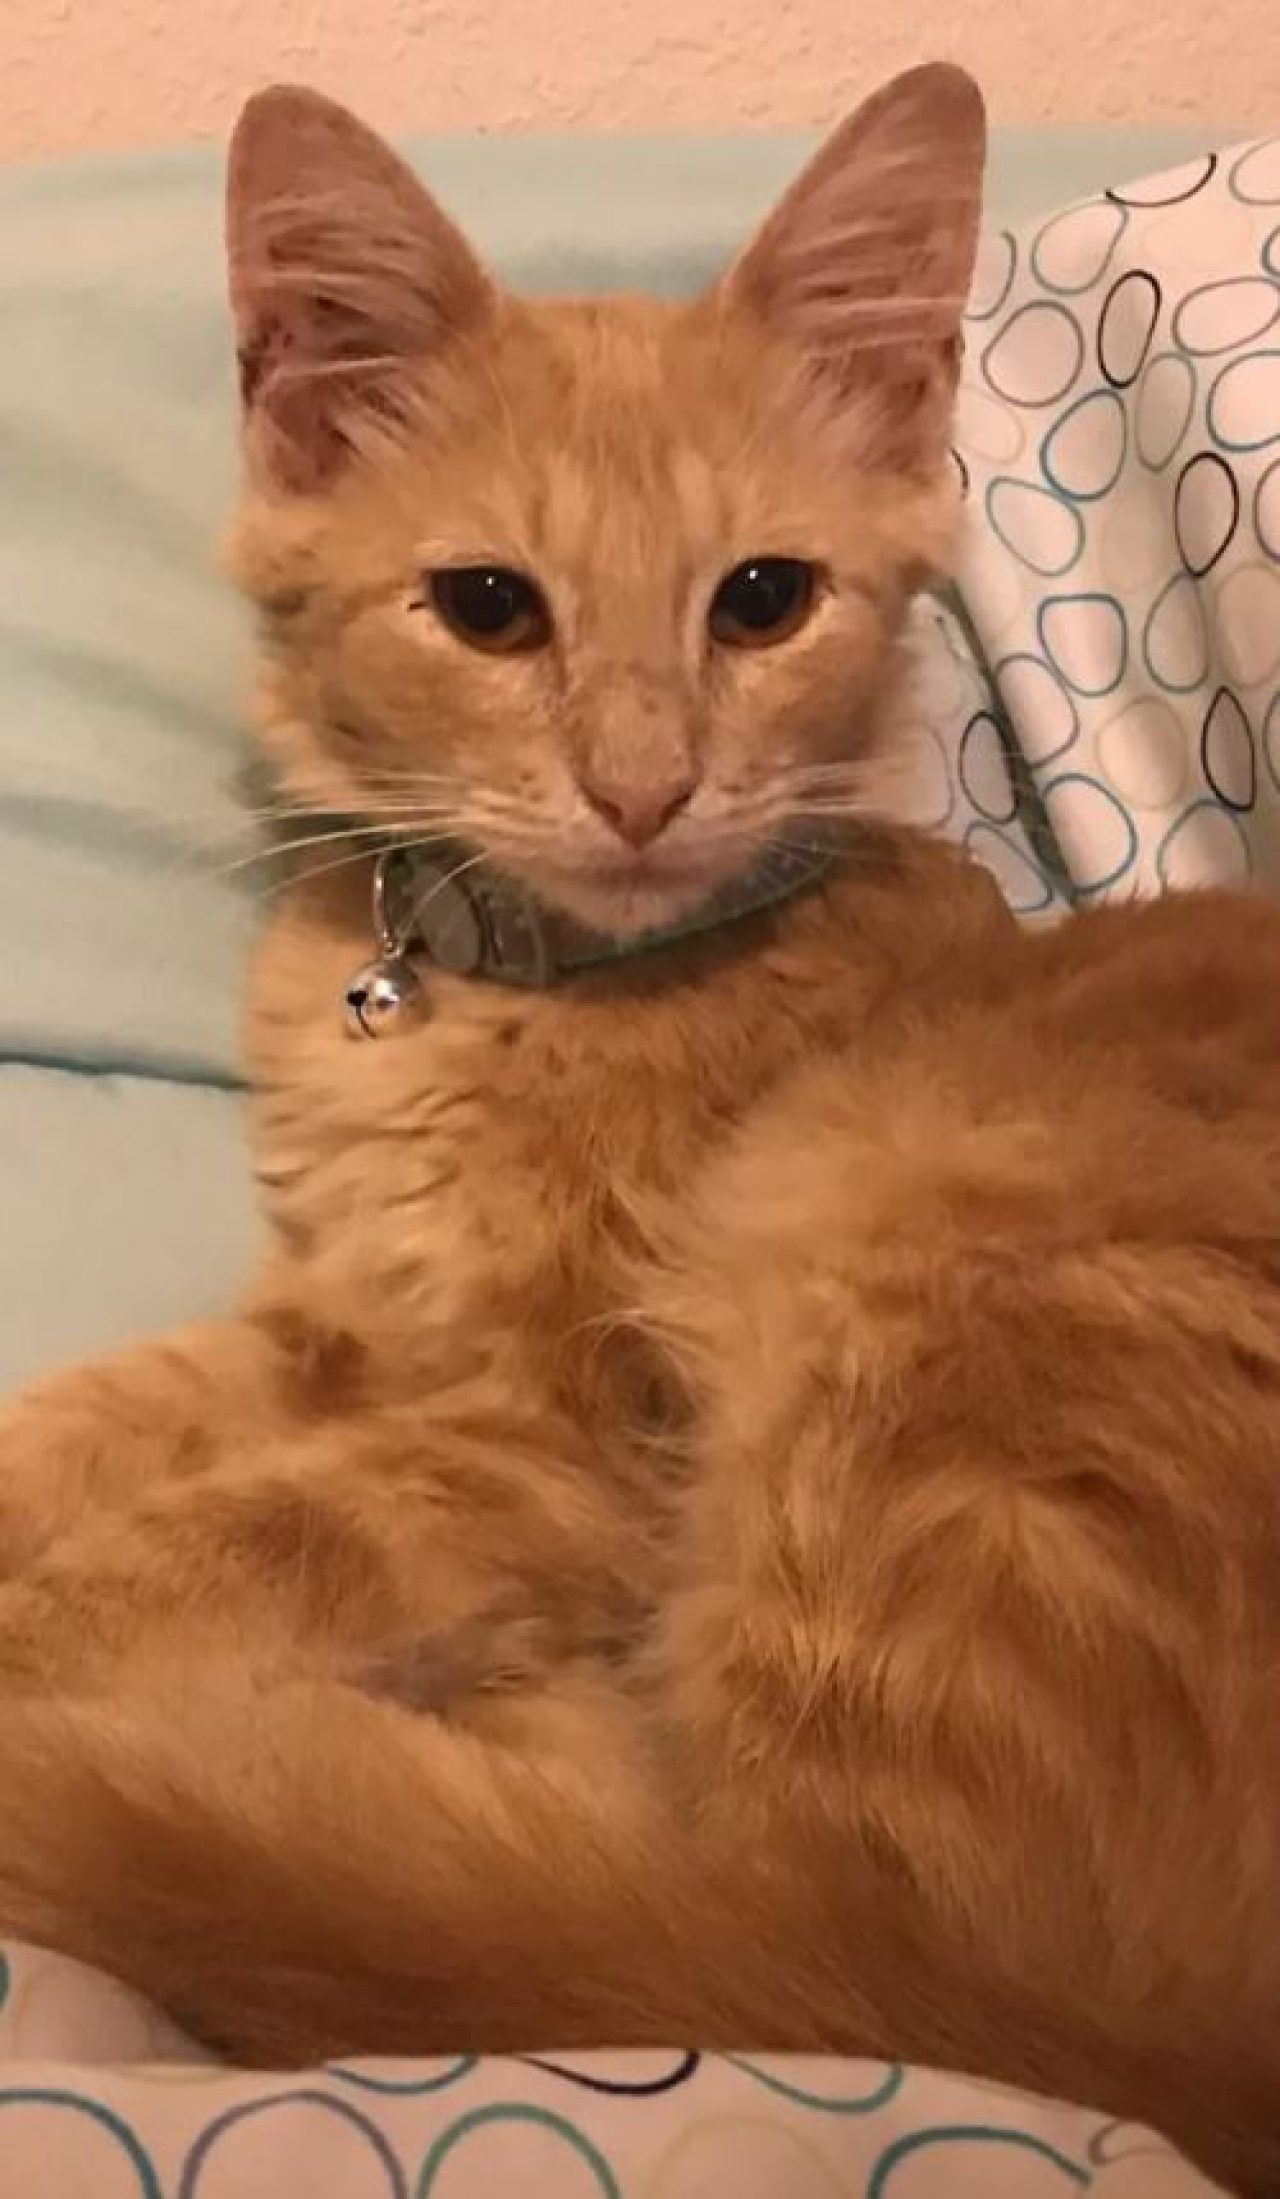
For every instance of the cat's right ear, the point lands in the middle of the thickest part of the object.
(865, 266)
(346, 280)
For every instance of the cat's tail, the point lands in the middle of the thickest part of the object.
(297, 1871)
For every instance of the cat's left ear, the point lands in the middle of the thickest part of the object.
(347, 282)
(865, 265)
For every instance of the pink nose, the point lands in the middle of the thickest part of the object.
(639, 811)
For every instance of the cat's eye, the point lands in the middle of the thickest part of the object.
(762, 601)
(490, 607)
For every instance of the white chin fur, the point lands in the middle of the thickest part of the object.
(623, 905)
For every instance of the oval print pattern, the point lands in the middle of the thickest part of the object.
(1126, 586)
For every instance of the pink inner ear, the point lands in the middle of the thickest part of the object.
(340, 311)
(296, 401)
(345, 276)
(866, 263)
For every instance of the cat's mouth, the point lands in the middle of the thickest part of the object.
(635, 891)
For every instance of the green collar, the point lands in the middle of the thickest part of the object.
(436, 906)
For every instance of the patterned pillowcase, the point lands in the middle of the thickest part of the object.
(100, 2094)
(1119, 429)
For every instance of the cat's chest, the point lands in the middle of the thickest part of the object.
(496, 1174)
(472, 1175)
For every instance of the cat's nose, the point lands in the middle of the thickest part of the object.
(639, 810)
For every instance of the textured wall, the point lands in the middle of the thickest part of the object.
(120, 72)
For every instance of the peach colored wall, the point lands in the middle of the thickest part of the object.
(120, 72)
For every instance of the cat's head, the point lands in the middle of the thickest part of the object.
(605, 590)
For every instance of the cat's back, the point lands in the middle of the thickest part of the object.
(1046, 1159)
(1190, 982)
(1114, 1078)
(985, 1321)
(1145, 1044)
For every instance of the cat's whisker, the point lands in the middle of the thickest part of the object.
(485, 814)
(496, 804)
(405, 775)
(366, 855)
(834, 790)
(841, 774)
(274, 850)
(312, 871)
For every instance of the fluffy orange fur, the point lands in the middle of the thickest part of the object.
(745, 1504)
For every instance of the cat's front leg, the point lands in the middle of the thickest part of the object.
(162, 1482)
(425, 1550)
(80, 1444)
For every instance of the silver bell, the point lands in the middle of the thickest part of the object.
(382, 996)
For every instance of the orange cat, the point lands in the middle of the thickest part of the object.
(745, 1506)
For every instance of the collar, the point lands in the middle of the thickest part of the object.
(438, 905)
(474, 922)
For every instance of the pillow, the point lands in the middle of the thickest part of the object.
(103, 2096)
